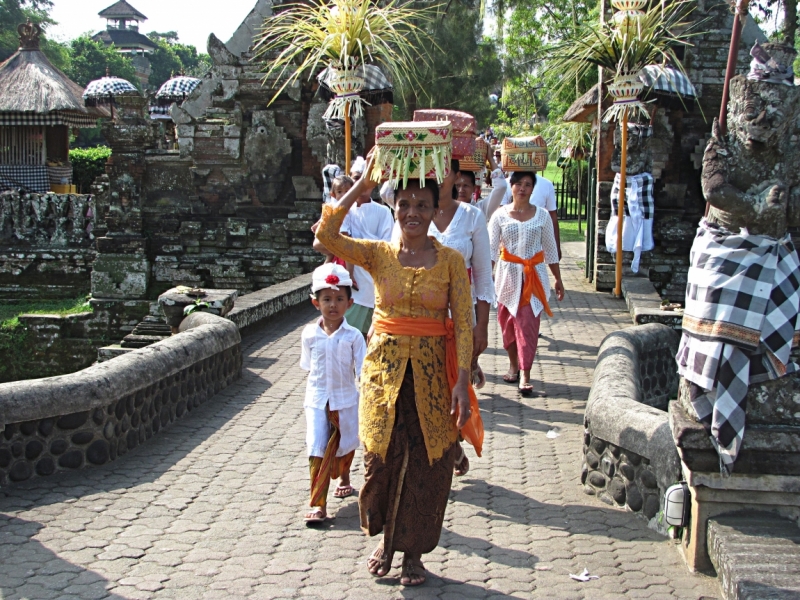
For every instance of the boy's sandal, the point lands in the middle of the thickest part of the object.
(509, 378)
(315, 515)
(382, 559)
(343, 491)
(412, 570)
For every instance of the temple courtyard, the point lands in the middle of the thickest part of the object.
(212, 507)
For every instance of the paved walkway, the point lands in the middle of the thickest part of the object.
(210, 508)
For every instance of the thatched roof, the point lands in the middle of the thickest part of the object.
(585, 107)
(121, 9)
(30, 83)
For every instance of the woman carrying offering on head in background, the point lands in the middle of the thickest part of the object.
(415, 392)
(522, 242)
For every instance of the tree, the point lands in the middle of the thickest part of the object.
(171, 57)
(15, 12)
(90, 59)
(463, 70)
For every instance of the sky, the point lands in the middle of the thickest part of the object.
(192, 19)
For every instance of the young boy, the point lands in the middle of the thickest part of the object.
(332, 353)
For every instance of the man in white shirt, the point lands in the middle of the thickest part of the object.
(366, 220)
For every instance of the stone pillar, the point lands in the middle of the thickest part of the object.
(122, 269)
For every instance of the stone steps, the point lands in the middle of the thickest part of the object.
(756, 555)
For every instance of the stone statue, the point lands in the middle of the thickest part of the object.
(751, 175)
(638, 159)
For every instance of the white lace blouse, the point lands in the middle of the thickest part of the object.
(523, 239)
(468, 234)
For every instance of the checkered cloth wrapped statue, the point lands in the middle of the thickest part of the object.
(739, 325)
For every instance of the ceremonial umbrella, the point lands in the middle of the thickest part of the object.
(175, 89)
(104, 90)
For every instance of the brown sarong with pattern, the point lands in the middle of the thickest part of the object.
(418, 509)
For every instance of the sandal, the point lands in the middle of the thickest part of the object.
(526, 390)
(461, 467)
(379, 559)
(315, 515)
(412, 573)
(343, 491)
(509, 378)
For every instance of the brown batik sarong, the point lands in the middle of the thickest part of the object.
(419, 510)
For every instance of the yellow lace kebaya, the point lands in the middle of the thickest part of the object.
(407, 292)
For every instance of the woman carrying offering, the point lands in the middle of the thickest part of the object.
(522, 240)
(415, 393)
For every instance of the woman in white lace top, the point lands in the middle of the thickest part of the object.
(522, 243)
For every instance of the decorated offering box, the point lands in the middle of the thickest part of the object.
(477, 160)
(412, 150)
(464, 128)
(522, 154)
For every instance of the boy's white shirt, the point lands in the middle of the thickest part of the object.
(334, 365)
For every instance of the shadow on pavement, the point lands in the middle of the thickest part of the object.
(30, 570)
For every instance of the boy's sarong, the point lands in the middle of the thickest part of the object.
(329, 466)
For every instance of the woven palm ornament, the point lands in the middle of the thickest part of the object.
(346, 83)
(626, 85)
(412, 150)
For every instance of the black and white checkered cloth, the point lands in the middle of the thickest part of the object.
(29, 178)
(71, 119)
(377, 88)
(739, 324)
(177, 87)
(329, 173)
(667, 79)
(638, 188)
(108, 86)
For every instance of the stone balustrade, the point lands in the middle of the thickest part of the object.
(629, 455)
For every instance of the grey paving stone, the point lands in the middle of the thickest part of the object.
(211, 508)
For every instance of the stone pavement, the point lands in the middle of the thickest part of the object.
(211, 507)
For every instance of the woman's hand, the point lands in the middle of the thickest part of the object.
(559, 290)
(480, 339)
(460, 402)
(368, 169)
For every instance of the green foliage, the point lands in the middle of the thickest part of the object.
(463, 68)
(90, 59)
(87, 165)
(568, 231)
(171, 58)
(15, 12)
(15, 345)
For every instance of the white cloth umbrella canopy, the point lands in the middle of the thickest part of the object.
(177, 88)
(108, 87)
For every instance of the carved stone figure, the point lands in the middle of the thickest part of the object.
(639, 159)
(751, 175)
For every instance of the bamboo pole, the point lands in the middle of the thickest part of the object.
(347, 137)
(621, 202)
(733, 55)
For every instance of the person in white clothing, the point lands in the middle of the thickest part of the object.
(465, 187)
(522, 243)
(333, 353)
(543, 196)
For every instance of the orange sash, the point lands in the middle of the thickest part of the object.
(427, 327)
(532, 285)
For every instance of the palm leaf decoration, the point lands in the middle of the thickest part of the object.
(625, 48)
(343, 34)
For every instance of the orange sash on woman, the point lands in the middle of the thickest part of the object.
(532, 285)
(426, 327)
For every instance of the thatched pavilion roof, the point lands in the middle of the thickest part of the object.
(585, 107)
(29, 83)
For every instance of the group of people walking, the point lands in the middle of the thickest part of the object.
(433, 270)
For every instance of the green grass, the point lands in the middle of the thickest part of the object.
(569, 231)
(552, 172)
(10, 310)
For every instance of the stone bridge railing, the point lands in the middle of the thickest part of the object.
(95, 415)
(629, 454)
